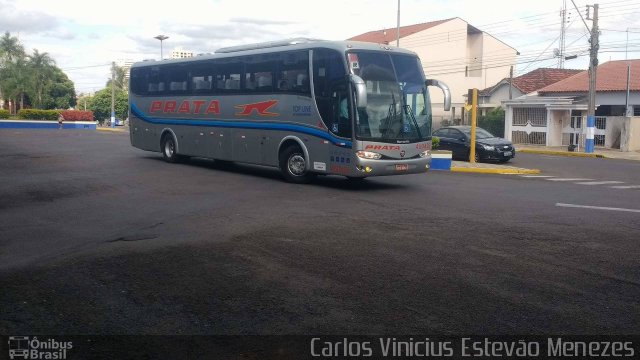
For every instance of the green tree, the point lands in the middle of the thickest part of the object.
(100, 104)
(60, 92)
(120, 78)
(41, 68)
(16, 82)
(12, 69)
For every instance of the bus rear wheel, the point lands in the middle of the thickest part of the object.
(293, 165)
(168, 148)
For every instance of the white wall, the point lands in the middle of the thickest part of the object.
(554, 123)
(630, 134)
(497, 58)
(502, 93)
(444, 51)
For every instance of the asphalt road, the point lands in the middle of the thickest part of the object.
(97, 237)
(578, 167)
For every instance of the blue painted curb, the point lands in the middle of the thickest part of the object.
(441, 160)
(26, 124)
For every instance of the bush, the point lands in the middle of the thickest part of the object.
(493, 122)
(4, 114)
(37, 114)
(77, 115)
(435, 142)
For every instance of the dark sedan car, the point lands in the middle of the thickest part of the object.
(488, 147)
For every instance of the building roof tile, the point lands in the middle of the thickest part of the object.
(611, 76)
(388, 36)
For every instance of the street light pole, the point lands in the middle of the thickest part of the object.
(161, 38)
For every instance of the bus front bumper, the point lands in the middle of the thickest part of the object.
(366, 167)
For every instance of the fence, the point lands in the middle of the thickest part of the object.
(529, 126)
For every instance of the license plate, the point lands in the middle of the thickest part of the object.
(508, 153)
(402, 167)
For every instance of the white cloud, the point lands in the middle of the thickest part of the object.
(88, 34)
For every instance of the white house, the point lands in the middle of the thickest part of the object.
(529, 83)
(556, 114)
(455, 52)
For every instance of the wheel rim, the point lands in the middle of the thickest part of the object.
(169, 148)
(477, 157)
(297, 165)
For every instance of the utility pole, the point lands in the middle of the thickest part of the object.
(511, 82)
(627, 109)
(593, 70)
(561, 43)
(113, 94)
(398, 27)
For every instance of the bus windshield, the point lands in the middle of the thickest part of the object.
(398, 106)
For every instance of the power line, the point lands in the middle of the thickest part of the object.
(84, 67)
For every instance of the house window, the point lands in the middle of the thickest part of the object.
(636, 111)
(533, 116)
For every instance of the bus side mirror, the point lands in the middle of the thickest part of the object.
(361, 91)
(445, 90)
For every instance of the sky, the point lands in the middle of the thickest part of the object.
(85, 37)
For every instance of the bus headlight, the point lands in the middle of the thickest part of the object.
(368, 155)
(425, 153)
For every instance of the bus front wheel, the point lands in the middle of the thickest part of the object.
(293, 165)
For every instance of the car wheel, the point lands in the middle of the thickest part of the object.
(477, 156)
(293, 165)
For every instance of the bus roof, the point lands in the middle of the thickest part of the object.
(280, 46)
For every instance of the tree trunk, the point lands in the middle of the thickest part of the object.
(21, 100)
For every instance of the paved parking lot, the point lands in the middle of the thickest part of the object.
(97, 237)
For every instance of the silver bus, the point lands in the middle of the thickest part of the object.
(305, 106)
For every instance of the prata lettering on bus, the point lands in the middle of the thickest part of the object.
(186, 107)
(382, 147)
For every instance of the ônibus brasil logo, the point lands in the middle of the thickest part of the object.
(25, 347)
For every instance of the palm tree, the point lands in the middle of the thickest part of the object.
(16, 84)
(12, 68)
(10, 48)
(121, 81)
(41, 66)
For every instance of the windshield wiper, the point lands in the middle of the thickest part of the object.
(409, 112)
(392, 114)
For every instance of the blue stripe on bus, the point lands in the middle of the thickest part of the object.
(242, 125)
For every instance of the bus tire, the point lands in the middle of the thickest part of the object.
(293, 166)
(168, 148)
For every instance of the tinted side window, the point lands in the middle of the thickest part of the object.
(155, 81)
(175, 79)
(227, 75)
(202, 75)
(138, 81)
(455, 134)
(330, 88)
(293, 73)
(442, 133)
(258, 73)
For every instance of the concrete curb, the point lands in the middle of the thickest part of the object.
(560, 153)
(111, 130)
(495, 170)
